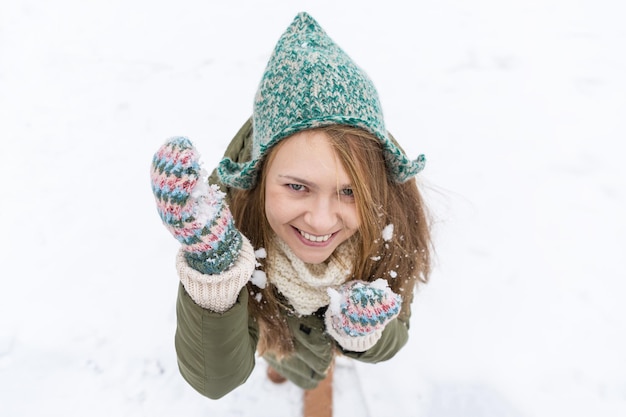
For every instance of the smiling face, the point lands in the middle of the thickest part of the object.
(309, 201)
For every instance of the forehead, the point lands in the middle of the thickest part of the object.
(308, 153)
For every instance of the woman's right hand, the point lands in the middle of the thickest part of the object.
(193, 211)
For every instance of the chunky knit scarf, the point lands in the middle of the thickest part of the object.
(304, 285)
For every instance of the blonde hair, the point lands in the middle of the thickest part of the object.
(402, 258)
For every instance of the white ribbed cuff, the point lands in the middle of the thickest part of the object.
(219, 292)
(350, 343)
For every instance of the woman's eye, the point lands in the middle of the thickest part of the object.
(296, 187)
(347, 192)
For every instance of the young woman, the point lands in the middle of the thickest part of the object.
(328, 235)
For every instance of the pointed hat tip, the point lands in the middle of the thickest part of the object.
(304, 20)
(303, 16)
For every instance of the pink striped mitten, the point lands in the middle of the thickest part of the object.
(192, 210)
(359, 311)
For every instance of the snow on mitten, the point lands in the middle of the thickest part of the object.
(193, 211)
(359, 311)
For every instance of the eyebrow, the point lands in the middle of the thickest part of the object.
(308, 183)
(297, 180)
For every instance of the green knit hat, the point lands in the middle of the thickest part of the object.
(310, 82)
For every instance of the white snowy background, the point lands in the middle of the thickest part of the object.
(520, 107)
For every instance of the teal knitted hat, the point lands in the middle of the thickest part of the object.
(310, 82)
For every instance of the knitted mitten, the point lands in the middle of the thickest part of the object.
(192, 210)
(359, 311)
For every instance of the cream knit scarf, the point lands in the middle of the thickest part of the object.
(304, 285)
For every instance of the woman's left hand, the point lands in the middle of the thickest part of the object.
(359, 311)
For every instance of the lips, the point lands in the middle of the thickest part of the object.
(314, 238)
(308, 237)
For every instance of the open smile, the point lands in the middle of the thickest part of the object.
(314, 238)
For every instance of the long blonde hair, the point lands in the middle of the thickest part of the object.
(403, 257)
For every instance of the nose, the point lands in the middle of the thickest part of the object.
(323, 215)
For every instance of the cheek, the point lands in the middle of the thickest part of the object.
(277, 210)
(352, 220)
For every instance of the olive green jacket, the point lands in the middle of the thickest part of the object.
(216, 352)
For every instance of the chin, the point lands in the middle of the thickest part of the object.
(311, 258)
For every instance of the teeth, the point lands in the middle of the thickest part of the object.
(314, 238)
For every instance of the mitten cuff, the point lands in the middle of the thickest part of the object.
(219, 292)
(352, 343)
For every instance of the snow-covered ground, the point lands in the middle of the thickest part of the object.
(520, 107)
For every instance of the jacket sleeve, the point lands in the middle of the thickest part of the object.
(216, 351)
(215, 337)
